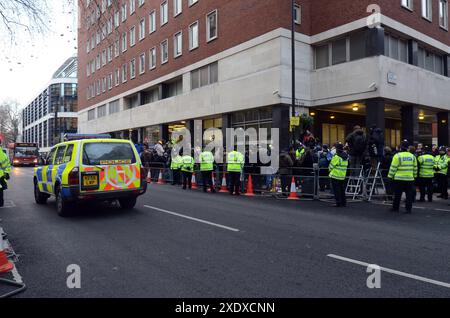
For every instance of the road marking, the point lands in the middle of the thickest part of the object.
(392, 271)
(192, 219)
(442, 210)
(8, 204)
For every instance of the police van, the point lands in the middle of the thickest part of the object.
(90, 168)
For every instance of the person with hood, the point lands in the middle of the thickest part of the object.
(403, 172)
(376, 143)
(338, 172)
(426, 174)
(357, 143)
(5, 170)
(441, 168)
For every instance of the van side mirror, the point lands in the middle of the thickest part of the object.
(42, 162)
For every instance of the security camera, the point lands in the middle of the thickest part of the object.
(276, 92)
(373, 86)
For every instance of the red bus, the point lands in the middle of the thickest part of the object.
(24, 154)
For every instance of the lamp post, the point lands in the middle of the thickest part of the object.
(293, 67)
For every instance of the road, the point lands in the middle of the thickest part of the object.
(179, 243)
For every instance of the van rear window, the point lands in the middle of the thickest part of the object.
(108, 153)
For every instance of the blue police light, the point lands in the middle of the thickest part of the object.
(70, 137)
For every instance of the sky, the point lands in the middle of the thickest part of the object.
(27, 64)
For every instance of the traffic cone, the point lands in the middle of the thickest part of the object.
(224, 188)
(160, 178)
(149, 176)
(213, 181)
(293, 194)
(194, 182)
(5, 265)
(249, 192)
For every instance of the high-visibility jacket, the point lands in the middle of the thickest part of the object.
(235, 161)
(176, 163)
(338, 168)
(403, 167)
(5, 165)
(206, 161)
(441, 164)
(299, 153)
(187, 164)
(426, 166)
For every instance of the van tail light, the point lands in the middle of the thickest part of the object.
(143, 175)
(74, 178)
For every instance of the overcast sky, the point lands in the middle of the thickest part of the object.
(27, 65)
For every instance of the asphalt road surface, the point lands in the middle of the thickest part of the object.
(179, 243)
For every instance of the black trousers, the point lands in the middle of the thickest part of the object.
(442, 185)
(176, 177)
(426, 188)
(207, 181)
(399, 188)
(339, 192)
(187, 179)
(2, 202)
(235, 182)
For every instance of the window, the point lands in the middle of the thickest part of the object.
(132, 68)
(132, 36)
(141, 2)
(152, 21)
(141, 29)
(117, 77)
(59, 157)
(124, 12)
(443, 14)
(178, 44)
(357, 46)
(116, 48)
(297, 14)
(177, 7)
(132, 6)
(396, 48)
(114, 107)
(68, 154)
(152, 58)
(124, 42)
(427, 9)
(339, 51)
(408, 4)
(204, 76)
(110, 81)
(124, 73)
(430, 61)
(101, 111)
(164, 13)
(91, 114)
(193, 36)
(116, 19)
(192, 2)
(322, 56)
(142, 63)
(107, 152)
(211, 26)
(164, 51)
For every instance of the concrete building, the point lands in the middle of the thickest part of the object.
(58, 100)
(148, 67)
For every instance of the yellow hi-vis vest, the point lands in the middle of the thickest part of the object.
(299, 153)
(187, 164)
(403, 167)
(441, 164)
(5, 165)
(176, 163)
(338, 168)
(206, 161)
(426, 166)
(235, 161)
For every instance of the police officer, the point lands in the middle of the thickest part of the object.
(5, 170)
(235, 163)
(441, 167)
(426, 174)
(187, 167)
(175, 166)
(299, 152)
(403, 171)
(206, 168)
(338, 172)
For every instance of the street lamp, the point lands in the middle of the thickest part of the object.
(293, 66)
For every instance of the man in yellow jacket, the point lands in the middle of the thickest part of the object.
(235, 163)
(338, 173)
(403, 171)
(5, 170)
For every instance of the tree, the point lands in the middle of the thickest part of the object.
(10, 119)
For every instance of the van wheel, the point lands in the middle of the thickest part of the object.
(127, 203)
(63, 208)
(39, 197)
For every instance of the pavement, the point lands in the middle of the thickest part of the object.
(183, 244)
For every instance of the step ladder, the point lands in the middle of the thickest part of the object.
(355, 185)
(375, 183)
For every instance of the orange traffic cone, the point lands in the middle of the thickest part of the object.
(223, 188)
(250, 192)
(5, 265)
(213, 181)
(149, 176)
(194, 182)
(160, 178)
(293, 194)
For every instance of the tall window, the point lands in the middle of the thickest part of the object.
(191, 2)
(193, 36)
(178, 44)
(132, 6)
(407, 4)
(177, 7)
(124, 41)
(141, 29)
(211, 26)
(297, 14)
(427, 9)
(132, 68)
(443, 14)
(117, 73)
(142, 63)
(152, 58)
(132, 36)
(124, 12)
(204, 76)
(116, 19)
(164, 51)
(152, 21)
(124, 73)
(164, 13)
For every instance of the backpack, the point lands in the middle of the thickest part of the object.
(359, 144)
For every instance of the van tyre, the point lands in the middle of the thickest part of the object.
(128, 203)
(63, 208)
(39, 197)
